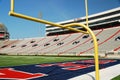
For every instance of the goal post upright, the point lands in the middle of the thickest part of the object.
(96, 56)
(12, 6)
(66, 26)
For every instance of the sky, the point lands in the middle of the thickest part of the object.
(50, 10)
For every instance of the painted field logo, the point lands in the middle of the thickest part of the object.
(9, 73)
(68, 65)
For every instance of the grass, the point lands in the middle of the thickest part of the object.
(116, 78)
(24, 60)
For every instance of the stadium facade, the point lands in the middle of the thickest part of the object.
(96, 21)
(4, 34)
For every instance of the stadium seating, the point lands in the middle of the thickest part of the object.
(68, 44)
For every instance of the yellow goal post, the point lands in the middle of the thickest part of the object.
(69, 27)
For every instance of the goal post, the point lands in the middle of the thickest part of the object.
(66, 26)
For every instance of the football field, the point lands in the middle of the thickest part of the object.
(51, 67)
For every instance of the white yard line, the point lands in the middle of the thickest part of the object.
(105, 74)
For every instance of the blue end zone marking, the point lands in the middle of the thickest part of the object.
(60, 71)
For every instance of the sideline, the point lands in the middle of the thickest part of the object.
(105, 74)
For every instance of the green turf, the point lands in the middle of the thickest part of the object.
(116, 78)
(24, 60)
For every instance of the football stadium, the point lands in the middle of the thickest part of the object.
(85, 48)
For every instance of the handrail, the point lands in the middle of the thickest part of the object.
(67, 26)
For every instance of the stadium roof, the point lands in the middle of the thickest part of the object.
(102, 14)
(108, 16)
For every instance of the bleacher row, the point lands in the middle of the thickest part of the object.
(68, 44)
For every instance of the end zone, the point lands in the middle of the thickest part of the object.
(74, 70)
